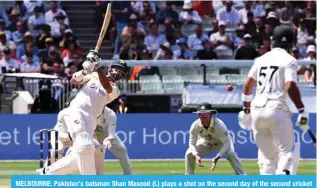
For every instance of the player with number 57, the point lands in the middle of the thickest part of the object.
(268, 115)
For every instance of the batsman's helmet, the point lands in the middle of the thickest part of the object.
(283, 36)
(118, 69)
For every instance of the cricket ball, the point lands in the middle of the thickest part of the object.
(229, 88)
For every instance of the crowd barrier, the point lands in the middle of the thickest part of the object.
(194, 94)
(147, 136)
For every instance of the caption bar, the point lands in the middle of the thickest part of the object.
(164, 181)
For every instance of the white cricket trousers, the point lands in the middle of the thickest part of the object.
(273, 131)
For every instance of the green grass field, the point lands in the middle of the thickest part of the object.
(147, 167)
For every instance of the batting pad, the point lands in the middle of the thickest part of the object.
(85, 149)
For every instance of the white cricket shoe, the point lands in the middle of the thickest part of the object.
(40, 171)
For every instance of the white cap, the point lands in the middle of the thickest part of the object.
(311, 48)
(247, 36)
(271, 15)
(68, 31)
(187, 5)
(222, 23)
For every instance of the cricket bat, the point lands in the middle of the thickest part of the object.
(312, 136)
(104, 27)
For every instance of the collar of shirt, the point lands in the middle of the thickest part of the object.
(278, 49)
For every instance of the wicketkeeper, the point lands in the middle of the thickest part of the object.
(209, 134)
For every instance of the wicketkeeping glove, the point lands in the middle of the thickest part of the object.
(302, 121)
(107, 143)
(244, 120)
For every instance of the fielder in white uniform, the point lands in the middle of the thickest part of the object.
(268, 115)
(98, 90)
(209, 134)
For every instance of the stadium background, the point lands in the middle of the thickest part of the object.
(179, 53)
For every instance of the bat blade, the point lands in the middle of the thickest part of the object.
(312, 136)
(104, 27)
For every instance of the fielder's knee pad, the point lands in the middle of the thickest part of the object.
(85, 149)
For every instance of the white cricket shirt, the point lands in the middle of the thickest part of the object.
(271, 71)
(93, 97)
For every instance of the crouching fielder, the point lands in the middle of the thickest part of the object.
(275, 77)
(209, 134)
(106, 135)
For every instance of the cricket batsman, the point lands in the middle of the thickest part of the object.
(107, 138)
(209, 134)
(65, 138)
(98, 90)
(268, 115)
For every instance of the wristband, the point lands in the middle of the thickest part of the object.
(246, 98)
(301, 110)
(246, 110)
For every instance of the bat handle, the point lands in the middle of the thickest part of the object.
(313, 137)
(97, 49)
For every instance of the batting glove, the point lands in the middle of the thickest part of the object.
(88, 67)
(244, 120)
(302, 121)
(92, 61)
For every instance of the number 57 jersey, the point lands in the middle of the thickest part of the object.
(271, 71)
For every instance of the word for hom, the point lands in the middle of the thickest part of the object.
(149, 135)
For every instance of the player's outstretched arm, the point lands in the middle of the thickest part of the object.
(294, 94)
(104, 81)
(193, 137)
